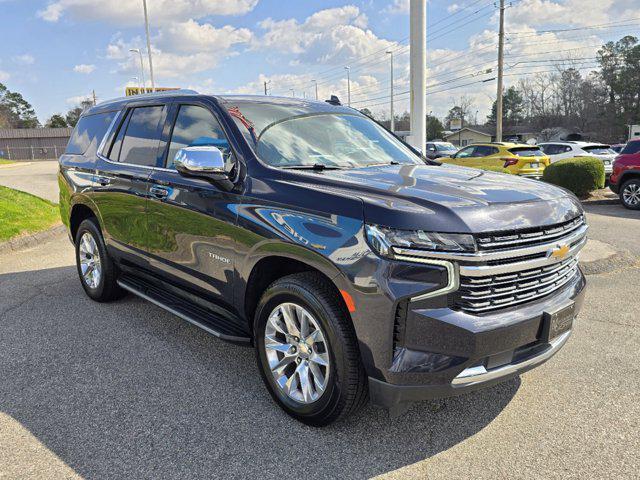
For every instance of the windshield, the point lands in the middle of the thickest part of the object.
(527, 152)
(599, 150)
(284, 136)
(445, 147)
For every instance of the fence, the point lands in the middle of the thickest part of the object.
(52, 152)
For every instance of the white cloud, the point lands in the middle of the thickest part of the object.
(78, 99)
(130, 12)
(25, 59)
(4, 76)
(84, 68)
(453, 8)
(398, 7)
(571, 12)
(335, 35)
(190, 36)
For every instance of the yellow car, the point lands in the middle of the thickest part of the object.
(519, 159)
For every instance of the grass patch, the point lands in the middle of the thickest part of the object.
(22, 213)
(4, 161)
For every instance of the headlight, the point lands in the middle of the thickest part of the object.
(381, 239)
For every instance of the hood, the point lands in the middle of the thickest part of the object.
(453, 199)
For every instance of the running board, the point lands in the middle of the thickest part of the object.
(194, 314)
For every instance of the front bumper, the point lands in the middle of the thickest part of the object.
(490, 348)
(474, 378)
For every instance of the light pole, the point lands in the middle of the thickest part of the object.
(348, 86)
(500, 74)
(316, 82)
(265, 87)
(393, 120)
(144, 84)
(136, 80)
(146, 27)
(418, 66)
(293, 93)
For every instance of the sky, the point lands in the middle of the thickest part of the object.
(57, 52)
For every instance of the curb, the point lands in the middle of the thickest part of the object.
(31, 240)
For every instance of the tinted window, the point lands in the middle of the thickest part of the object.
(140, 142)
(599, 150)
(87, 135)
(196, 126)
(527, 151)
(631, 147)
(551, 149)
(484, 151)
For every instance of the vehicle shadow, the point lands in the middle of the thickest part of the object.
(612, 209)
(127, 390)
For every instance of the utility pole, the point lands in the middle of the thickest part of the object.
(500, 69)
(144, 84)
(316, 82)
(94, 97)
(293, 93)
(393, 120)
(348, 86)
(146, 26)
(418, 74)
(265, 87)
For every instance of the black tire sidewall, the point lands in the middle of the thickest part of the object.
(624, 186)
(88, 226)
(292, 292)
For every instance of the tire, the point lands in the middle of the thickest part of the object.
(345, 383)
(630, 194)
(102, 285)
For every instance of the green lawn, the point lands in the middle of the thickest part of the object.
(23, 213)
(4, 161)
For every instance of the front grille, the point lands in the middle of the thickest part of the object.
(483, 294)
(529, 236)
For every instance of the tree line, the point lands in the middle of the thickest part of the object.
(17, 112)
(600, 104)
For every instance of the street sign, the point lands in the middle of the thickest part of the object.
(130, 91)
(455, 124)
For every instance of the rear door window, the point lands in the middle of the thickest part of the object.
(550, 149)
(142, 136)
(88, 134)
(484, 151)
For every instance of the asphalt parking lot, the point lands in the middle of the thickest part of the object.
(127, 390)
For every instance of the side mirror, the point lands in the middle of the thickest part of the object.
(200, 161)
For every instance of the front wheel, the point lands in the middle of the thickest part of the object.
(630, 194)
(307, 351)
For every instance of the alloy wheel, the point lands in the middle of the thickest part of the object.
(90, 265)
(297, 353)
(631, 194)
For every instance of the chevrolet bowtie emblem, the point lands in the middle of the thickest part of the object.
(559, 252)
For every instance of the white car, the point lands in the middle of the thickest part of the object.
(559, 150)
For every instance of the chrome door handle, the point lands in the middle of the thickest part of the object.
(159, 192)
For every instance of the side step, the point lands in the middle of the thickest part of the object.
(198, 316)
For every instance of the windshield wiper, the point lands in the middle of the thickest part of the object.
(316, 166)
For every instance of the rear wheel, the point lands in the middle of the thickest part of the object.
(630, 194)
(97, 271)
(307, 350)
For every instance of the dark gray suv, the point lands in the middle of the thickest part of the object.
(355, 267)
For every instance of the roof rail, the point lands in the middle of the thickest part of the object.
(181, 91)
